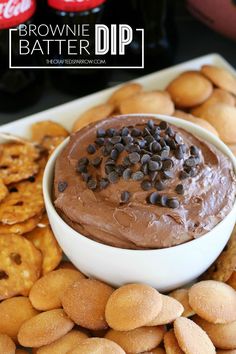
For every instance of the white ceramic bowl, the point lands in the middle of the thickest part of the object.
(164, 269)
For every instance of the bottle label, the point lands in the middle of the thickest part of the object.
(15, 12)
(74, 5)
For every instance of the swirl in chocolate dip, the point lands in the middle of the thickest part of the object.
(136, 183)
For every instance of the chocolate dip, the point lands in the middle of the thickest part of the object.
(179, 191)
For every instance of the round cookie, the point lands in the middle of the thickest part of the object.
(226, 351)
(189, 89)
(171, 309)
(214, 301)
(181, 295)
(124, 92)
(223, 336)
(223, 118)
(220, 77)
(217, 96)
(44, 328)
(89, 311)
(191, 338)
(137, 340)
(7, 346)
(63, 344)
(14, 312)
(46, 293)
(93, 115)
(132, 306)
(148, 102)
(199, 121)
(98, 346)
(171, 345)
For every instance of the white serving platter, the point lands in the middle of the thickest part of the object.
(67, 113)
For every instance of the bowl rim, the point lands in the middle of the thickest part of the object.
(210, 137)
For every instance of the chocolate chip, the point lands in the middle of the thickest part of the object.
(31, 179)
(126, 161)
(136, 132)
(134, 157)
(170, 132)
(81, 168)
(165, 152)
(109, 146)
(3, 275)
(156, 158)
(119, 147)
(113, 177)
(179, 153)
(153, 175)
(115, 139)
(110, 161)
(150, 124)
(178, 138)
(111, 132)
(120, 169)
(163, 200)
(96, 162)
(92, 184)
(149, 139)
(133, 148)
(127, 174)
(137, 176)
(190, 162)
(179, 189)
(125, 197)
(183, 175)
(125, 131)
(83, 161)
(154, 198)
(146, 185)
(168, 174)
(172, 203)
(114, 154)
(91, 149)
(183, 147)
(162, 142)
(103, 183)
(145, 158)
(172, 144)
(144, 169)
(160, 186)
(163, 125)
(109, 169)
(155, 147)
(127, 139)
(62, 186)
(167, 164)
(85, 176)
(100, 141)
(194, 150)
(153, 166)
(142, 143)
(101, 133)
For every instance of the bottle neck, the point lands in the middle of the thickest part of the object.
(15, 12)
(74, 5)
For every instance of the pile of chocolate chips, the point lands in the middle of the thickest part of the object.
(150, 155)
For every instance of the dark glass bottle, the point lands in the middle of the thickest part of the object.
(19, 88)
(60, 12)
(156, 17)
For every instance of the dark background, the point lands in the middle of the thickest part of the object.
(194, 40)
